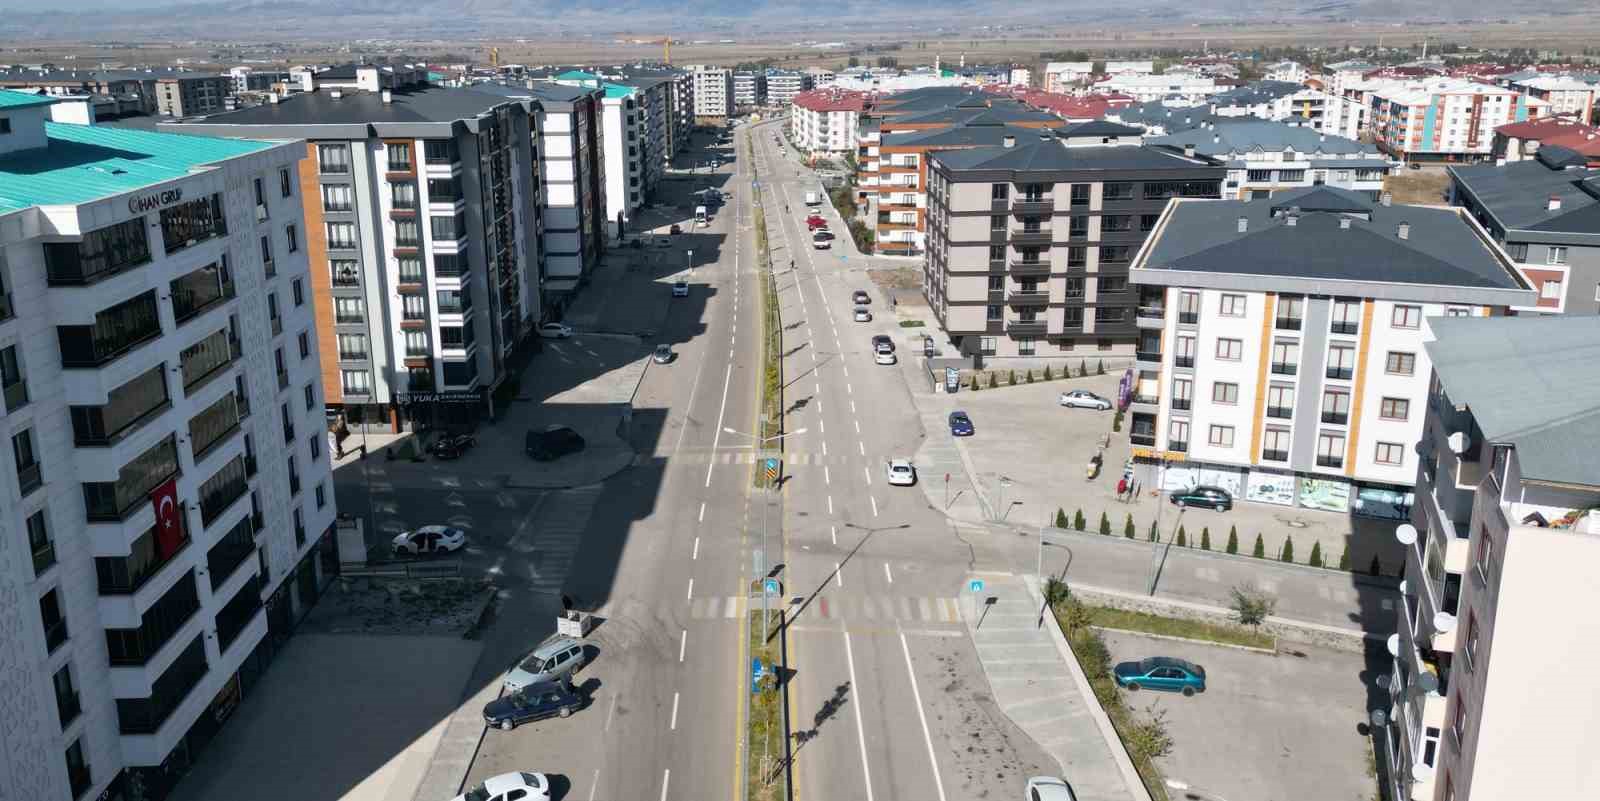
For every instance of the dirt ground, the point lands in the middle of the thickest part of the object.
(400, 606)
(1427, 185)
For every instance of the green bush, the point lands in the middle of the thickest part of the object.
(1127, 526)
(1344, 559)
(1101, 368)
(1316, 555)
(1155, 533)
(1055, 592)
(1116, 421)
(1105, 525)
(993, 382)
(1061, 518)
(1288, 550)
(1083, 367)
(1233, 539)
(1030, 376)
(974, 382)
(1183, 538)
(1376, 568)
(1011, 378)
(1078, 522)
(1047, 375)
(1205, 539)
(1260, 551)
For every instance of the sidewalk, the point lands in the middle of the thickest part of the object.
(1042, 691)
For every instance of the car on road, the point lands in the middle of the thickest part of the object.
(663, 354)
(676, 229)
(1083, 399)
(680, 289)
(961, 424)
(822, 241)
(555, 331)
(519, 786)
(1161, 673)
(452, 446)
(816, 221)
(1048, 788)
(1204, 495)
(883, 342)
(863, 314)
(428, 540)
(552, 443)
(860, 297)
(556, 658)
(900, 472)
(884, 357)
(534, 702)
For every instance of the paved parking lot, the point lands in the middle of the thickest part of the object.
(1267, 727)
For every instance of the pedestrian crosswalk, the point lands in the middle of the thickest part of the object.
(880, 608)
(551, 551)
(792, 458)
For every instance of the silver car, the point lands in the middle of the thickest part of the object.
(556, 658)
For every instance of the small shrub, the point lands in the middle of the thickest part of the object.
(1260, 551)
(1061, 518)
(1316, 555)
(1101, 368)
(1288, 550)
(1251, 604)
(1055, 591)
(1076, 618)
(1011, 378)
(1344, 559)
(1105, 525)
(1047, 375)
(1205, 539)
(1233, 540)
(1183, 538)
(1148, 735)
(1155, 533)
(993, 382)
(1376, 568)
(1127, 526)
(974, 383)
(1078, 522)
(1083, 367)
(1030, 376)
(1116, 421)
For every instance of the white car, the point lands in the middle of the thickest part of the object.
(1048, 788)
(863, 314)
(680, 289)
(1083, 399)
(901, 473)
(555, 331)
(884, 357)
(509, 787)
(429, 540)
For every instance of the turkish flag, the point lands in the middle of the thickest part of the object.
(169, 518)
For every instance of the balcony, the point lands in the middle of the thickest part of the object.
(347, 279)
(1340, 373)
(1034, 327)
(1284, 368)
(1033, 236)
(1182, 404)
(1150, 316)
(1145, 438)
(1274, 456)
(1336, 418)
(1033, 205)
(1287, 323)
(1151, 359)
(1023, 297)
(1029, 267)
(16, 395)
(1280, 412)
(1178, 445)
(1330, 461)
(1149, 404)
(1345, 328)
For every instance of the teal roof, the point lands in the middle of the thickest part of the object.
(10, 99)
(84, 163)
(618, 90)
(577, 75)
(435, 77)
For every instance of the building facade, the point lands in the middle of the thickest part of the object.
(749, 89)
(189, 95)
(1029, 243)
(422, 226)
(1498, 553)
(783, 86)
(1280, 343)
(1522, 140)
(1143, 87)
(1568, 95)
(1445, 119)
(713, 91)
(824, 121)
(1065, 76)
(168, 468)
(1266, 157)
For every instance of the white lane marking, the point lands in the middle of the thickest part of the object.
(691, 589)
(813, 356)
(824, 448)
(887, 574)
(858, 426)
(867, 473)
(838, 575)
(916, 695)
(595, 785)
(674, 726)
(717, 437)
(702, 513)
(861, 736)
(610, 713)
(819, 388)
(822, 427)
(730, 353)
(861, 446)
(833, 532)
(848, 390)
(874, 514)
(685, 428)
(666, 778)
(826, 478)
(696, 548)
(830, 504)
(683, 642)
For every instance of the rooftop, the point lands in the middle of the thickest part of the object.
(10, 99)
(830, 100)
(1036, 154)
(1518, 194)
(1226, 136)
(963, 136)
(421, 104)
(1258, 92)
(1527, 382)
(83, 163)
(996, 111)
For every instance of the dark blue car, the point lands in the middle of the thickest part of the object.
(960, 424)
(536, 701)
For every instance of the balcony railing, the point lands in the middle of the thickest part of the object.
(1341, 373)
(1188, 318)
(1178, 445)
(1274, 456)
(1183, 361)
(1032, 205)
(1284, 368)
(1151, 312)
(347, 279)
(1038, 236)
(1182, 404)
(1337, 418)
(1345, 328)
(1330, 461)
(1147, 439)
(16, 395)
(1037, 297)
(1147, 400)
(1280, 412)
(1287, 323)
(1025, 327)
(1147, 355)
(1030, 267)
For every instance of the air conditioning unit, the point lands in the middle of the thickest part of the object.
(1460, 442)
(261, 212)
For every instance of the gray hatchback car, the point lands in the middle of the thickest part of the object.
(553, 659)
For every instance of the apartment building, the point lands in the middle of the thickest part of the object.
(359, 77)
(713, 91)
(824, 120)
(652, 126)
(1175, 89)
(1499, 555)
(1570, 96)
(168, 497)
(1288, 71)
(1545, 213)
(1064, 76)
(135, 89)
(783, 86)
(1029, 243)
(1445, 119)
(1294, 103)
(1130, 67)
(250, 79)
(749, 89)
(422, 226)
(1337, 78)
(189, 95)
(676, 100)
(1266, 157)
(1280, 342)
(1521, 140)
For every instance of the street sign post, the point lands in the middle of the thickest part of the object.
(770, 587)
(757, 670)
(975, 588)
(771, 466)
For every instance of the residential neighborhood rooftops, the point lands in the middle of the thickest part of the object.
(1000, 111)
(823, 100)
(963, 136)
(1258, 92)
(1519, 195)
(427, 104)
(1224, 136)
(1036, 154)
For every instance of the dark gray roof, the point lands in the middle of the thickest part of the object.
(543, 91)
(1002, 112)
(964, 136)
(1234, 135)
(425, 104)
(1052, 155)
(1528, 381)
(1440, 249)
(932, 98)
(339, 72)
(1518, 195)
(57, 76)
(1257, 92)
(1171, 118)
(1100, 128)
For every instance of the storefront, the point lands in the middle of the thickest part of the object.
(442, 411)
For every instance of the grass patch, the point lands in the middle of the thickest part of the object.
(771, 344)
(764, 728)
(912, 324)
(1124, 620)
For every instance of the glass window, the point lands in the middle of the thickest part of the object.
(356, 382)
(337, 197)
(1390, 453)
(1406, 317)
(1113, 284)
(349, 310)
(305, 345)
(1230, 349)
(352, 346)
(333, 159)
(1231, 306)
(102, 252)
(1116, 223)
(1275, 445)
(1394, 408)
(341, 235)
(1341, 362)
(452, 301)
(1080, 194)
(403, 195)
(110, 500)
(439, 151)
(1221, 436)
(417, 343)
(1400, 363)
(997, 253)
(115, 331)
(407, 234)
(1285, 357)
(1074, 288)
(1225, 392)
(399, 156)
(1077, 256)
(1330, 449)
(999, 191)
(997, 222)
(1115, 254)
(1178, 434)
(1147, 222)
(443, 190)
(449, 229)
(195, 221)
(413, 307)
(1280, 401)
(1346, 316)
(1555, 255)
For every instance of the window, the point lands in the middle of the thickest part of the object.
(1074, 288)
(986, 345)
(349, 310)
(1390, 453)
(39, 542)
(407, 234)
(1394, 409)
(1458, 723)
(1485, 560)
(403, 195)
(1275, 445)
(399, 156)
(285, 185)
(417, 343)
(29, 475)
(315, 443)
(304, 340)
(1285, 357)
(1116, 223)
(341, 235)
(336, 197)
(195, 221)
(1472, 639)
(333, 159)
(1078, 227)
(1080, 194)
(1400, 363)
(322, 496)
(1230, 349)
(997, 253)
(1406, 317)
(1518, 251)
(1221, 436)
(1224, 392)
(1072, 317)
(1555, 255)
(55, 626)
(1078, 256)
(1120, 190)
(5, 125)
(77, 769)
(1103, 314)
(452, 301)
(1336, 406)
(261, 198)
(1182, 394)
(1178, 435)
(352, 346)
(1346, 316)
(1550, 289)
(1341, 362)
(1147, 222)
(1330, 450)
(997, 283)
(1280, 401)
(1231, 306)
(1457, 311)
(310, 391)
(1025, 346)
(997, 222)
(102, 252)
(999, 191)
(413, 307)
(1290, 310)
(12, 379)
(1115, 254)
(356, 382)
(1113, 284)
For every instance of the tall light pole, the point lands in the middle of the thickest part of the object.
(761, 447)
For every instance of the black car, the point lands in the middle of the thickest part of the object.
(545, 699)
(552, 443)
(452, 446)
(1214, 497)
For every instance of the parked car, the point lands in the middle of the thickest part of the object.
(1161, 673)
(1048, 788)
(663, 354)
(883, 342)
(557, 658)
(1083, 399)
(429, 540)
(552, 443)
(533, 702)
(676, 229)
(517, 786)
(821, 232)
(816, 221)
(860, 297)
(680, 289)
(1215, 497)
(863, 314)
(960, 424)
(822, 241)
(555, 331)
(884, 357)
(452, 446)
(900, 472)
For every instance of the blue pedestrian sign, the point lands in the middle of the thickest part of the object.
(757, 670)
(770, 586)
(975, 586)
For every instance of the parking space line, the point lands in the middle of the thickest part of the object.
(830, 504)
(666, 778)
(858, 426)
(702, 513)
(610, 713)
(822, 426)
(595, 784)
(861, 446)
(833, 531)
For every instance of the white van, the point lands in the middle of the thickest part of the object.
(813, 199)
(701, 220)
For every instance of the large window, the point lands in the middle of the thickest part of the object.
(200, 290)
(1231, 306)
(1178, 435)
(1080, 194)
(449, 264)
(202, 360)
(145, 715)
(1280, 401)
(1230, 349)
(1346, 316)
(1341, 362)
(1115, 254)
(449, 229)
(113, 500)
(213, 425)
(399, 156)
(333, 159)
(1161, 190)
(102, 253)
(122, 575)
(1285, 357)
(460, 373)
(115, 331)
(230, 551)
(452, 336)
(1182, 394)
(453, 301)
(191, 222)
(1291, 308)
(403, 195)
(1400, 363)
(1117, 190)
(337, 197)
(125, 407)
(1406, 317)
(1394, 408)
(1221, 436)
(1330, 449)
(349, 310)
(1225, 392)
(407, 234)
(417, 343)
(156, 626)
(1390, 453)
(1275, 445)
(439, 151)
(352, 346)
(237, 613)
(341, 235)
(356, 382)
(1116, 223)
(1336, 406)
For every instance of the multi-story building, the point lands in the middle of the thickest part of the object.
(1064, 76)
(1130, 67)
(824, 120)
(1445, 119)
(676, 98)
(1545, 213)
(1175, 89)
(1337, 77)
(422, 224)
(1292, 103)
(713, 91)
(1569, 96)
(1521, 140)
(1266, 157)
(749, 89)
(1029, 243)
(172, 505)
(191, 94)
(783, 86)
(250, 79)
(1280, 342)
(1290, 71)
(1502, 538)
(1019, 76)
(135, 89)
(652, 125)
(359, 77)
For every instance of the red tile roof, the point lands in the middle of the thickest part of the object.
(1071, 107)
(1567, 133)
(831, 100)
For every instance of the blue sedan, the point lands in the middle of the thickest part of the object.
(1161, 673)
(960, 424)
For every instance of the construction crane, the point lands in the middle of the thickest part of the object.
(666, 46)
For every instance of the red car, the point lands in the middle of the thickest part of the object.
(815, 221)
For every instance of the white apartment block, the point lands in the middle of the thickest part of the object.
(1064, 76)
(1568, 96)
(749, 89)
(783, 86)
(1292, 103)
(713, 91)
(1130, 67)
(1173, 89)
(1280, 352)
(1500, 549)
(168, 466)
(1287, 71)
(824, 120)
(1265, 157)
(1445, 119)
(1020, 76)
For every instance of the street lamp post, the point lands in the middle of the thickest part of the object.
(691, 262)
(761, 446)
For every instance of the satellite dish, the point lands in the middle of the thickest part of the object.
(1459, 442)
(1405, 533)
(1444, 622)
(1394, 644)
(1420, 772)
(1427, 682)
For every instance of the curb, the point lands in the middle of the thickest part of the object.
(1379, 582)
(1171, 638)
(1317, 633)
